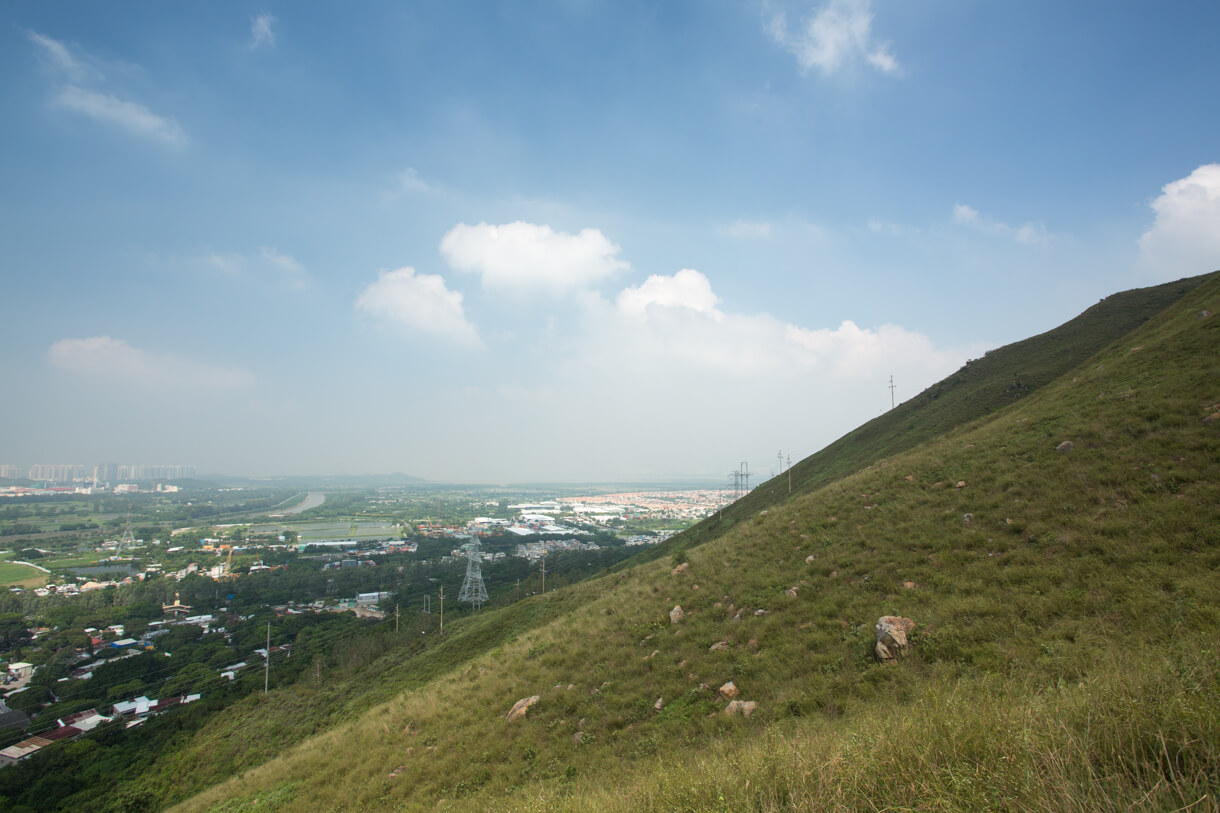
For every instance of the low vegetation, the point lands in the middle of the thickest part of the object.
(1057, 557)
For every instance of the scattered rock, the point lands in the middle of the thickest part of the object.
(718, 646)
(809, 559)
(579, 738)
(519, 708)
(1203, 314)
(892, 643)
(660, 704)
(834, 574)
(960, 484)
(1135, 349)
(1066, 446)
(743, 707)
(1212, 418)
(729, 691)
(760, 612)
(676, 614)
(791, 591)
(737, 616)
(909, 585)
(397, 771)
(966, 517)
(753, 644)
(682, 568)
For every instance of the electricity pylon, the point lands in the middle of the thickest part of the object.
(473, 589)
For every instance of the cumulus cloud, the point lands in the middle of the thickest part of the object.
(74, 71)
(685, 289)
(1185, 236)
(103, 357)
(970, 217)
(262, 31)
(838, 34)
(421, 302)
(676, 324)
(526, 256)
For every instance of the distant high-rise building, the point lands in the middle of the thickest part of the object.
(11, 472)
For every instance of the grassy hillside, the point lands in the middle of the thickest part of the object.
(1064, 659)
(1001, 377)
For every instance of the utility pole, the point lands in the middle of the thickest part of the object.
(395, 618)
(267, 666)
(544, 575)
(442, 632)
(789, 474)
(891, 392)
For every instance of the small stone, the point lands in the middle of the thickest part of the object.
(682, 568)
(676, 614)
(960, 484)
(578, 737)
(729, 691)
(809, 559)
(1212, 418)
(967, 517)
(909, 585)
(791, 592)
(718, 646)
(909, 478)
(657, 706)
(1066, 446)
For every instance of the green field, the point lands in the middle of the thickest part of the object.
(14, 574)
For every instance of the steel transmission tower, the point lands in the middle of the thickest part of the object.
(473, 589)
(128, 540)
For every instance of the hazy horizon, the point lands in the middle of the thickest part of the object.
(570, 242)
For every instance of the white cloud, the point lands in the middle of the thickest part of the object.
(133, 117)
(61, 57)
(266, 263)
(877, 226)
(103, 357)
(262, 31)
(409, 181)
(675, 324)
(749, 230)
(421, 302)
(970, 217)
(531, 257)
(838, 34)
(1185, 236)
(685, 289)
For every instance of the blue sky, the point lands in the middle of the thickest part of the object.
(576, 240)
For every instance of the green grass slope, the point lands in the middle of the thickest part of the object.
(981, 387)
(1064, 654)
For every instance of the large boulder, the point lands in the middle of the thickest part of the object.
(892, 641)
(517, 712)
